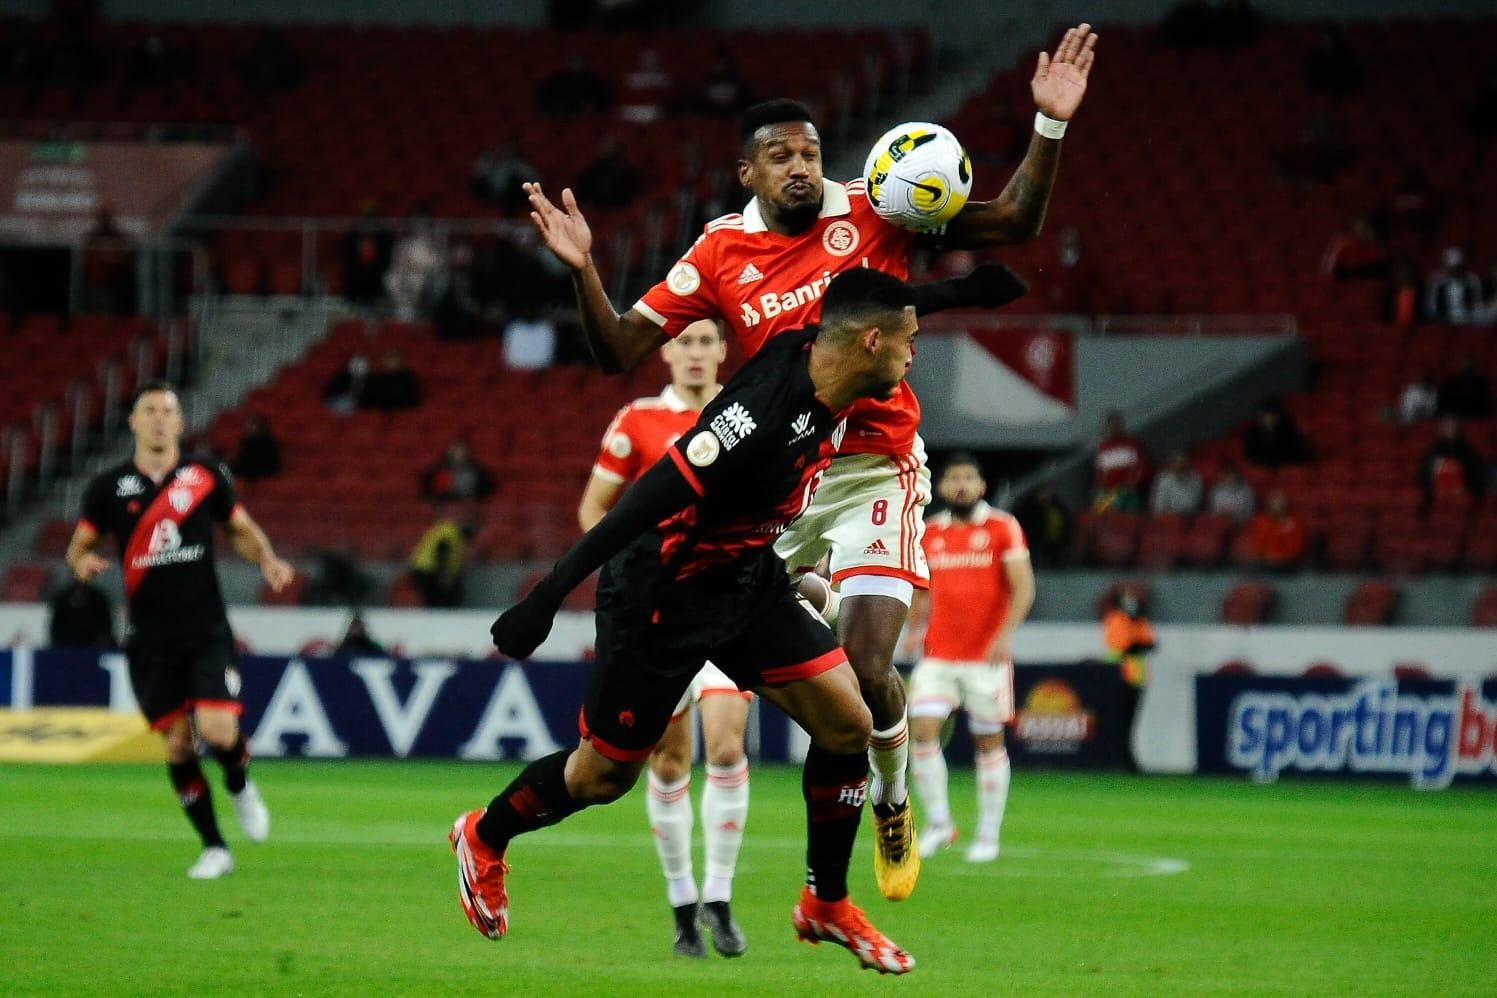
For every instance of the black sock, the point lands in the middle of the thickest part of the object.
(834, 787)
(538, 797)
(196, 799)
(235, 763)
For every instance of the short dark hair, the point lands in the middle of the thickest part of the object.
(962, 459)
(770, 112)
(146, 387)
(863, 297)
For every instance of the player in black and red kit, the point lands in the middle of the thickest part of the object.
(691, 574)
(161, 506)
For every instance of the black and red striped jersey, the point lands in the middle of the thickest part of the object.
(164, 533)
(754, 459)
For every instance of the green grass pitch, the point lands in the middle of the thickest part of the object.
(1109, 885)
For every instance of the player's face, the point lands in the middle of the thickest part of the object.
(896, 352)
(156, 420)
(785, 171)
(961, 486)
(695, 354)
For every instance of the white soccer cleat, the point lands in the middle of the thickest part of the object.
(215, 862)
(982, 851)
(253, 815)
(935, 838)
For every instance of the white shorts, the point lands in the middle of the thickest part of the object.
(868, 511)
(984, 690)
(710, 681)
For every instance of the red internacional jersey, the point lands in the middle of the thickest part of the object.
(763, 284)
(969, 590)
(640, 435)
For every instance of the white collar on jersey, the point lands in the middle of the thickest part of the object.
(834, 201)
(673, 400)
(980, 515)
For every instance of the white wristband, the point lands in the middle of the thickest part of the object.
(1048, 126)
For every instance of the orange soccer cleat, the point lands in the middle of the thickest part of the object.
(844, 923)
(480, 878)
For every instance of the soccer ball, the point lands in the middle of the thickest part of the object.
(918, 175)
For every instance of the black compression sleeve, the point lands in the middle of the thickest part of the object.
(989, 285)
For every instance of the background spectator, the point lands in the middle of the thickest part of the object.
(1465, 393)
(1177, 487)
(1402, 296)
(459, 312)
(457, 476)
(1356, 253)
(1273, 439)
(357, 640)
(609, 181)
(1129, 638)
(394, 386)
(723, 93)
(413, 266)
(1333, 66)
(1232, 496)
(1416, 402)
(108, 267)
(529, 342)
(572, 91)
(1454, 291)
(439, 558)
(344, 391)
(366, 256)
(1275, 538)
(1047, 526)
(1119, 467)
(1486, 312)
(1073, 281)
(499, 174)
(272, 64)
(1452, 468)
(81, 617)
(1412, 208)
(647, 90)
(259, 453)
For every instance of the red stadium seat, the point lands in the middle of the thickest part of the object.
(24, 584)
(1247, 603)
(1370, 604)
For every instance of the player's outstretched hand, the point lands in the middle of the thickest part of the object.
(89, 566)
(1060, 81)
(992, 285)
(278, 573)
(520, 630)
(564, 230)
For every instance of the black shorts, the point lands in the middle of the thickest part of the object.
(170, 678)
(655, 633)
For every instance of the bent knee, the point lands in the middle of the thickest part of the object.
(849, 733)
(670, 767)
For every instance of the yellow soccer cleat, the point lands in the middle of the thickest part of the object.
(896, 853)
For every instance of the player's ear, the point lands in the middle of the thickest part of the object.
(745, 173)
(871, 338)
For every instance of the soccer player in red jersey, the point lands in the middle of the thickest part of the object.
(637, 438)
(162, 506)
(981, 589)
(764, 271)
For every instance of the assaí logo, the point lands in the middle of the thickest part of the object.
(1371, 728)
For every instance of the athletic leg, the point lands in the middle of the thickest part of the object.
(993, 775)
(725, 804)
(668, 805)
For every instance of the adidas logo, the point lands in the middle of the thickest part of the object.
(877, 547)
(750, 275)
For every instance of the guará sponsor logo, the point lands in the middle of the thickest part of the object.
(1374, 727)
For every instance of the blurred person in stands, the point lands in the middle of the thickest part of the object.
(1332, 65)
(499, 176)
(1402, 296)
(1355, 253)
(1072, 282)
(1486, 312)
(637, 438)
(723, 93)
(981, 590)
(440, 556)
(413, 267)
(1046, 521)
(647, 91)
(1275, 538)
(259, 454)
(344, 391)
(1231, 496)
(456, 476)
(82, 617)
(393, 387)
(573, 91)
(457, 314)
(366, 256)
(162, 505)
(1452, 293)
(610, 180)
(1418, 400)
(1177, 488)
(1412, 207)
(1129, 638)
(1119, 467)
(1273, 439)
(1465, 393)
(357, 639)
(529, 341)
(272, 64)
(108, 267)
(1452, 468)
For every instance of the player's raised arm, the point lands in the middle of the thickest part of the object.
(1016, 215)
(254, 547)
(617, 342)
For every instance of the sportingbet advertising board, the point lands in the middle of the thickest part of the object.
(1429, 732)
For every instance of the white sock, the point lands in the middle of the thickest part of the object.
(929, 768)
(724, 813)
(669, 808)
(888, 756)
(993, 774)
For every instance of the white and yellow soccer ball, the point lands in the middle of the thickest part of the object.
(918, 176)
